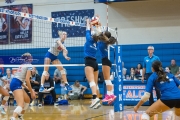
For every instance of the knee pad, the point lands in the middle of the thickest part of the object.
(145, 117)
(18, 110)
(145, 97)
(45, 73)
(97, 87)
(63, 72)
(26, 105)
(108, 82)
(6, 98)
(91, 84)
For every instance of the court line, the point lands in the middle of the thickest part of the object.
(105, 114)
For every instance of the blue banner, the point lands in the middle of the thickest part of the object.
(78, 16)
(135, 92)
(118, 81)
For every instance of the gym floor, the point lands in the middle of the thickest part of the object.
(79, 110)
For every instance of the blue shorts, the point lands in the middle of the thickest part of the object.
(51, 56)
(15, 84)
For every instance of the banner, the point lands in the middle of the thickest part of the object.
(21, 27)
(75, 28)
(4, 19)
(135, 92)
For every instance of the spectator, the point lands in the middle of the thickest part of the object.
(57, 76)
(174, 68)
(138, 71)
(132, 74)
(77, 91)
(7, 78)
(147, 71)
(168, 70)
(35, 80)
(124, 71)
(49, 88)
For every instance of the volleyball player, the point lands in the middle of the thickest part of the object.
(51, 56)
(5, 94)
(91, 66)
(170, 93)
(22, 75)
(106, 64)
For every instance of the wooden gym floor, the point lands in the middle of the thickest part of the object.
(79, 110)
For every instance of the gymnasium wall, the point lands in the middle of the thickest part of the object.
(144, 22)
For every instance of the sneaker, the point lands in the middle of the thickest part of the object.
(112, 98)
(41, 89)
(2, 110)
(20, 117)
(97, 106)
(40, 105)
(94, 102)
(12, 118)
(68, 88)
(56, 104)
(32, 103)
(106, 99)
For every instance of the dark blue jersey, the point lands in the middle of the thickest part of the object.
(103, 49)
(90, 47)
(169, 90)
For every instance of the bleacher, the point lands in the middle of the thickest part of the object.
(131, 55)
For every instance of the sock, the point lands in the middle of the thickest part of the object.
(109, 92)
(42, 85)
(2, 106)
(94, 96)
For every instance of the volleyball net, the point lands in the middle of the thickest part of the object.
(35, 34)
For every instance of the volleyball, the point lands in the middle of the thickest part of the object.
(94, 20)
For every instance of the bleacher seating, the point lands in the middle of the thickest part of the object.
(131, 55)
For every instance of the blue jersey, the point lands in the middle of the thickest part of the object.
(103, 49)
(147, 63)
(169, 90)
(90, 47)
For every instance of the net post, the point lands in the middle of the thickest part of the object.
(118, 81)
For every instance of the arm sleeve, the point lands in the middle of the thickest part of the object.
(88, 35)
(150, 84)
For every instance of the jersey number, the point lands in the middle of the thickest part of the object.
(59, 48)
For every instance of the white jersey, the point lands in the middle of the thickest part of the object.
(23, 21)
(2, 22)
(55, 49)
(21, 72)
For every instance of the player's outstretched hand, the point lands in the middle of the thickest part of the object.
(135, 109)
(67, 58)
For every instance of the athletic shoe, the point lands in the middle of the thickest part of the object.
(112, 98)
(56, 104)
(20, 117)
(94, 102)
(97, 106)
(41, 89)
(40, 105)
(106, 99)
(68, 88)
(12, 118)
(2, 110)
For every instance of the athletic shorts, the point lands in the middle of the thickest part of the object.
(51, 56)
(91, 62)
(172, 103)
(106, 61)
(15, 84)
